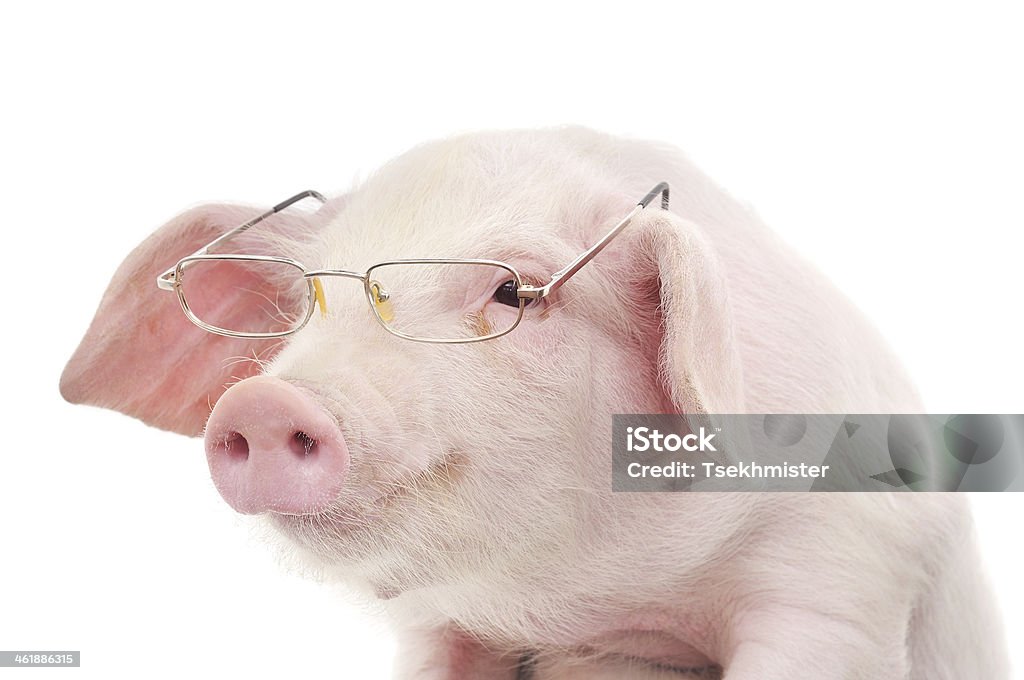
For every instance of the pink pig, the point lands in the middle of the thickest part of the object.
(468, 484)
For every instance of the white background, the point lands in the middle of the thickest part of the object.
(883, 140)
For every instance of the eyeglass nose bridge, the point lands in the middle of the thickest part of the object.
(318, 291)
(344, 273)
(378, 296)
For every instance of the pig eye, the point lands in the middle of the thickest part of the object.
(508, 294)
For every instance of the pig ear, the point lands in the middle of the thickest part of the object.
(141, 355)
(698, 362)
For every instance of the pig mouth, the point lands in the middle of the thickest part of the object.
(377, 504)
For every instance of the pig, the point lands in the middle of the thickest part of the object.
(467, 486)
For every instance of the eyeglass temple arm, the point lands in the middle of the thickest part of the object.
(565, 273)
(166, 280)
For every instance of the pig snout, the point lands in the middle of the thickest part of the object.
(272, 447)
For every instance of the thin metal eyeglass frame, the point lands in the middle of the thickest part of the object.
(171, 279)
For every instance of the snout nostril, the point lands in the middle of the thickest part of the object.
(235, 446)
(303, 445)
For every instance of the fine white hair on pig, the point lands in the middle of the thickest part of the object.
(477, 500)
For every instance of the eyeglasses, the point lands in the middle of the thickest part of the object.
(424, 300)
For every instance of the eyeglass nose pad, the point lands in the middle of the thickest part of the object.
(321, 301)
(381, 302)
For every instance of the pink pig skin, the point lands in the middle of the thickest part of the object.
(468, 485)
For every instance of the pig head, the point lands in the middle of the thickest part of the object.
(470, 483)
